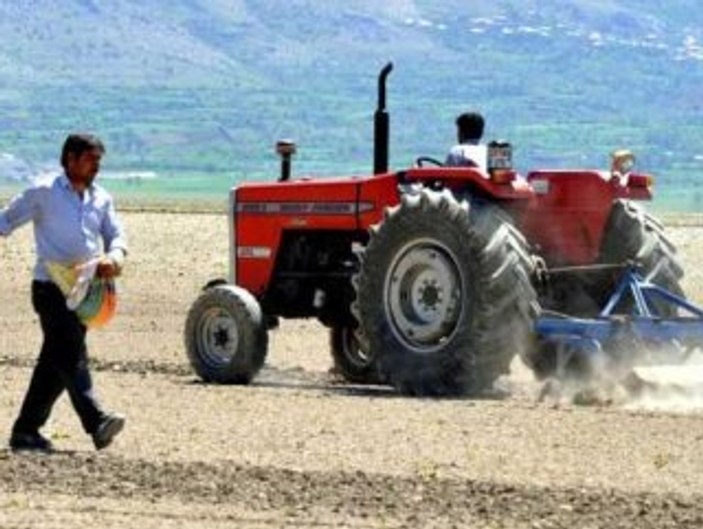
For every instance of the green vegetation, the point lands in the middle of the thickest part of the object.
(199, 94)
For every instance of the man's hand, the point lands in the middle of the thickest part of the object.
(107, 268)
(110, 265)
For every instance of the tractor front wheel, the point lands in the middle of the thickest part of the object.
(225, 335)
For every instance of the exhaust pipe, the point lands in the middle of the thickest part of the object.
(381, 123)
(285, 149)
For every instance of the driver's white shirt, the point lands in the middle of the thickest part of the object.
(468, 155)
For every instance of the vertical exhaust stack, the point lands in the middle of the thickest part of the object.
(285, 149)
(381, 123)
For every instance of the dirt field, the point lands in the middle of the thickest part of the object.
(299, 449)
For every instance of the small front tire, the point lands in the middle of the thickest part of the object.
(225, 335)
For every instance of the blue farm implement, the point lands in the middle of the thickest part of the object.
(641, 322)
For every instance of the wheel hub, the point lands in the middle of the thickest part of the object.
(429, 294)
(221, 337)
(423, 294)
(218, 337)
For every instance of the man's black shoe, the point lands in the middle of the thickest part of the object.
(108, 429)
(30, 441)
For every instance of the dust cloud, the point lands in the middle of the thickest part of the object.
(671, 388)
(657, 388)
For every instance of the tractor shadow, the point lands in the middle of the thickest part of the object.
(331, 383)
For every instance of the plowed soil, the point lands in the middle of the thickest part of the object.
(300, 448)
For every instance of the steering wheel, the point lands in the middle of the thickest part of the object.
(419, 162)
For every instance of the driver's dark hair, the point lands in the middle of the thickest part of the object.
(470, 126)
(77, 144)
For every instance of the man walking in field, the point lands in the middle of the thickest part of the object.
(74, 222)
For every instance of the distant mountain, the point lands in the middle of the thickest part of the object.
(187, 88)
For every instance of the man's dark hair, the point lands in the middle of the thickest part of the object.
(77, 144)
(470, 126)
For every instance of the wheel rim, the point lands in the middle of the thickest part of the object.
(217, 337)
(423, 295)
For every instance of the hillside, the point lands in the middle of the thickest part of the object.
(193, 89)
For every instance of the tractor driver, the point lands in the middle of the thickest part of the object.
(468, 152)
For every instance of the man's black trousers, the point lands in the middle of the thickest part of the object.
(62, 364)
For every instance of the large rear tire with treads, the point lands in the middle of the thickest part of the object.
(444, 297)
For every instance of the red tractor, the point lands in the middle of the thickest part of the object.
(430, 278)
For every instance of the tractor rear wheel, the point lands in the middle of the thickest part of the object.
(444, 297)
(633, 234)
(352, 360)
(225, 335)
